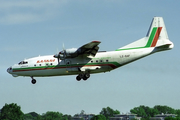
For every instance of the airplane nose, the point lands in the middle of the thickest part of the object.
(9, 69)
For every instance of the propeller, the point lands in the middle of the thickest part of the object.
(57, 55)
(63, 53)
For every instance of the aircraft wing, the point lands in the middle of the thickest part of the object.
(89, 48)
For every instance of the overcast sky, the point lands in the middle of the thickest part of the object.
(32, 28)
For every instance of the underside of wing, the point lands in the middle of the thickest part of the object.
(89, 48)
(86, 50)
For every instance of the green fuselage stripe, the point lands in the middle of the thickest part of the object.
(111, 64)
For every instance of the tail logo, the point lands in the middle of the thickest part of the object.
(153, 38)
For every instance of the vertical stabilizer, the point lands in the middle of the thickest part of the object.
(157, 34)
(158, 23)
(156, 37)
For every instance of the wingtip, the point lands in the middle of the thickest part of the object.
(96, 41)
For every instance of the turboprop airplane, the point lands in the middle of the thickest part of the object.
(87, 60)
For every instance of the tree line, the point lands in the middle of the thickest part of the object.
(13, 112)
(147, 112)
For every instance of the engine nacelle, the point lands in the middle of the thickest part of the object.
(68, 53)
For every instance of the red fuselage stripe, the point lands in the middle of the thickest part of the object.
(111, 65)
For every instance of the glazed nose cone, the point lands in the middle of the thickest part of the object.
(9, 70)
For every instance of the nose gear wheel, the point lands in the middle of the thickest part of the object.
(33, 81)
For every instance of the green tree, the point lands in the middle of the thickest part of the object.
(11, 112)
(28, 117)
(171, 118)
(109, 112)
(98, 117)
(82, 112)
(52, 116)
(144, 111)
(164, 109)
(139, 111)
(32, 116)
(67, 117)
(178, 113)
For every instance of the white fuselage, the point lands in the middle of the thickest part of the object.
(103, 61)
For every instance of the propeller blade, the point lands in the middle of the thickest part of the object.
(57, 55)
(63, 47)
(64, 51)
(57, 50)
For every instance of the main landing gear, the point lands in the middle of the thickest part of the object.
(33, 81)
(83, 76)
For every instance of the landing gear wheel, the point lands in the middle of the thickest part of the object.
(78, 78)
(81, 75)
(33, 81)
(85, 78)
(87, 75)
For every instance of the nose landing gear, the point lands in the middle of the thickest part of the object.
(33, 81)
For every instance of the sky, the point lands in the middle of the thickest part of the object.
(32, 28)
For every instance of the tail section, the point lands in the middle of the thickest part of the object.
(157, 33)
(156, 37)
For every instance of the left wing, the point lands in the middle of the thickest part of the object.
(89, 48)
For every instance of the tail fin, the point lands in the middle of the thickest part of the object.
(156, 37)
(157, 31)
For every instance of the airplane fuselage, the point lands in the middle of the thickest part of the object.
(44, 66)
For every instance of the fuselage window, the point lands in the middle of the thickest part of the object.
(51, 64)
(96, 60)
(35, 65)
(107, 60)
(101, 60)
(39, 64)
(46, 64)
(91, 61)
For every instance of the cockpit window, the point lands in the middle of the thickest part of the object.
(22, 62)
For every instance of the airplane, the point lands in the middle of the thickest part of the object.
(87, 60)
